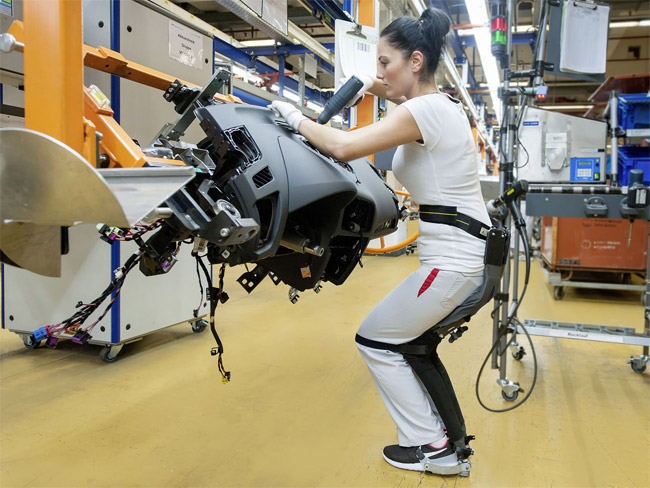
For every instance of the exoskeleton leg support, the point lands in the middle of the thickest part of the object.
(435, 379)
(453, 466)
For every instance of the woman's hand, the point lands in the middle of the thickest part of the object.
(367, 80)
(288, 112)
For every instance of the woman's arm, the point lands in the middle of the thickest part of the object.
(397, 128)
(378, 89)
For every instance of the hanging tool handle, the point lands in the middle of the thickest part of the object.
(340, 99)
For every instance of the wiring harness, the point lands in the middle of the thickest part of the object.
(73, 325)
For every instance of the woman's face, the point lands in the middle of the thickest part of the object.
(393, 70)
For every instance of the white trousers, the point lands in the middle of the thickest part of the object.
(423, 299)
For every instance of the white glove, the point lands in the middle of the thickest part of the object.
(367, 81)
(288, 112)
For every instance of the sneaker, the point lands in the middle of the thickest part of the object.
(414, 458)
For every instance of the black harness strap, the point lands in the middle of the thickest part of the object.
(377, 345)
(442, 214)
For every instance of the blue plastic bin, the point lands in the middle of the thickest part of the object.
(633, 157)
(634, 111)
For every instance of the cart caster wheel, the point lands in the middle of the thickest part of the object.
(558, 292)
(510, 397)
(637, 368)
(108, 355)
(30, 342)
(199, 326)
(518, 356)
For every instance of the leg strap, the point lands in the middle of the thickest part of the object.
(435, 379)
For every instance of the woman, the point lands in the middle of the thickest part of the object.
(436, 162)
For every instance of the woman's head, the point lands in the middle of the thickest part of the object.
(419, 44)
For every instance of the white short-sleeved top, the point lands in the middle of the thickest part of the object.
(442, 170)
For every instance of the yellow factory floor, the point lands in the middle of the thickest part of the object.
(302, 410)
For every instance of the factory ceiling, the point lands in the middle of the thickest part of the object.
(628, 45)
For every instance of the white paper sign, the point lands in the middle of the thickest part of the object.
(185, 45)
(354, 54)
(311, 65)
(584, 37)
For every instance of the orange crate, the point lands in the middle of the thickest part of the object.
(594, 244)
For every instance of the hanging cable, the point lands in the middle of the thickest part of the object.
(521, 230)
(216, 295)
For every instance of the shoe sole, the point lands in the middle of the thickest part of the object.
(448, 465)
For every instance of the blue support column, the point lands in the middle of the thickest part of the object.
(115, 105)
(250, 61)
(347, 6)
(281, 75)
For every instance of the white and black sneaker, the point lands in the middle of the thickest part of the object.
(420, 457)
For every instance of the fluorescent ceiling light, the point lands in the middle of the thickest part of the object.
(523, 29)
(245, 75)
(632, 23)
(520, 29)
(478, 16)
(419, 5)
(291, 96)
(565, 107)
(477, 12)
(258, 42)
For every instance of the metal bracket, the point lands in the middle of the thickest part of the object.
(596, 207)
(293, 295)
(251, 279)
(509, 387)
(461, 468)
(175, 131)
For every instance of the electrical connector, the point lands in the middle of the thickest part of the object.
(109, 234)
(81, 337)
(40, 333)
(51, 341)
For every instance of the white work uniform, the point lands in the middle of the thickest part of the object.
(439, 170)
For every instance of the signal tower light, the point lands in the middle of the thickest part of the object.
(498, 29)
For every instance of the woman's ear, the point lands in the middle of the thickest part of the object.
(417, 62)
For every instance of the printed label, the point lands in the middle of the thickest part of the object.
(185, 45)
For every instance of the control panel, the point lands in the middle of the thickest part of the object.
(585, 169)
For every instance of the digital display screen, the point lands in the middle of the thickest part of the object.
(584, 163)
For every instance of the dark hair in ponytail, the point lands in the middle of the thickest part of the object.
(426, 34)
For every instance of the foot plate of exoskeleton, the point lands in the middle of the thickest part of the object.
(462, 468)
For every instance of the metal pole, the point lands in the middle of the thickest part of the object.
(541, 44)
(301, 87)
(506, 276)
(646, 300)
(613, 122)
(282, 58)
(115, 105)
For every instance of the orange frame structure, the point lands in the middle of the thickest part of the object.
(56, 101)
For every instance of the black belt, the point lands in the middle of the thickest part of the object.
(441, 214)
